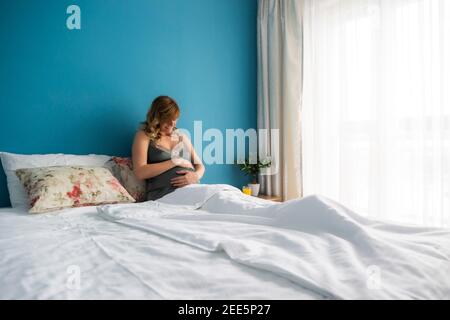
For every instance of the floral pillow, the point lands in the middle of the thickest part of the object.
(54, 188)
(122, 169)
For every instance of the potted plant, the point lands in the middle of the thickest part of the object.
(252, 170)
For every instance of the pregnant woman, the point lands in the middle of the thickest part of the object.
(163, 156)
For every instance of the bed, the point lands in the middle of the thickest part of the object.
(213, 242)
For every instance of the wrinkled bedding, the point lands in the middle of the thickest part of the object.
(42, 255)
(213, 242)
(313, 242)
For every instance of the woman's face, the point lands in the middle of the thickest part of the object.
(168, 127)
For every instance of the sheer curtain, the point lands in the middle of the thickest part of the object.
(376, 108)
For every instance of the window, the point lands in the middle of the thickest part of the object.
(376, 111)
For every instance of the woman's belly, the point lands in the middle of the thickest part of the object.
(163, 180)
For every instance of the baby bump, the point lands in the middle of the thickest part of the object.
(163, 180)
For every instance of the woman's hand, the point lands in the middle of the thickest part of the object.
(181, 162)
(186, 178)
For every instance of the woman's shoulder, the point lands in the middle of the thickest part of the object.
(141, 135)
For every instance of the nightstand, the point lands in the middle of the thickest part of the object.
(271, 198)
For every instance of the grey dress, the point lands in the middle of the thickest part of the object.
(159, 186)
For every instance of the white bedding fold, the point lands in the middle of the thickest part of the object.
(313, 241)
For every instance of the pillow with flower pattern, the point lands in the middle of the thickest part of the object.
(122, 169)
(54, 188)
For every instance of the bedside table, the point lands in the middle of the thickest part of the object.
(271, 198)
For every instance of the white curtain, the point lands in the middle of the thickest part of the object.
(279, 94)
(376, 109)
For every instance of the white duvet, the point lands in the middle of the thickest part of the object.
(213, 242)
(312, 242)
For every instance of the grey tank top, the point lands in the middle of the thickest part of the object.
(160, 185)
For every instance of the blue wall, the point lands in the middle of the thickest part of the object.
(84, 91)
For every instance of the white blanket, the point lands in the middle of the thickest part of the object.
(313, 242)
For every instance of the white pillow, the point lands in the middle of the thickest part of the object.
(11, 162)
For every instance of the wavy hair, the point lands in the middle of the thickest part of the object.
(162, 109)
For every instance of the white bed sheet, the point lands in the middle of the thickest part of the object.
(40, 255)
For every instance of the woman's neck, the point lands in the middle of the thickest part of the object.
(164, 135)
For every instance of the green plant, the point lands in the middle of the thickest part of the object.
(253, 169)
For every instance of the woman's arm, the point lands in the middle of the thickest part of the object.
(195, 159)
(143, 170)
(189, 177)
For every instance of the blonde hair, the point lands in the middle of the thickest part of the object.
(163, 109)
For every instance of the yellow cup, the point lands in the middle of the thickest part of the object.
(246, 190)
